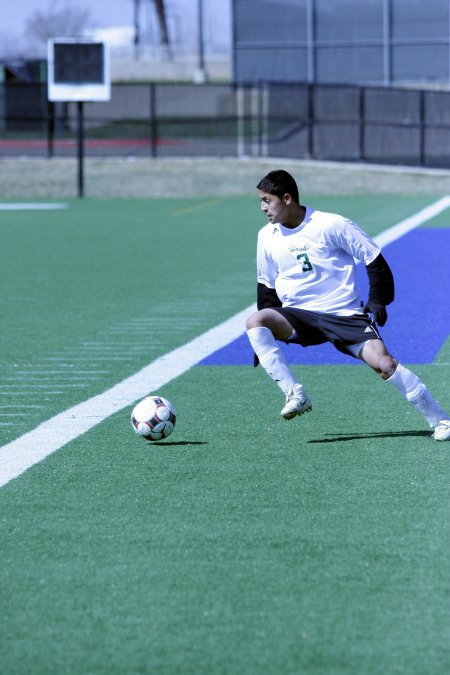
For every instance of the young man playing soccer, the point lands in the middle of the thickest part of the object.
(307, 294)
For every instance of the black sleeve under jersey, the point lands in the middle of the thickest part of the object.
(266, 297)
(381, 282)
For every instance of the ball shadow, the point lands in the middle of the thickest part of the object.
(164, 443)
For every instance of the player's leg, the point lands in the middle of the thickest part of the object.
(377, 356)
(264, 328)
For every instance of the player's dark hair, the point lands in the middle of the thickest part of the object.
(279, 183)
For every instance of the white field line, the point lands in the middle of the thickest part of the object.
(405, 226)
(32, 206)
(31, 448)
(22, 453)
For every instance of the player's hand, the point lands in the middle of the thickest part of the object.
(378, 312)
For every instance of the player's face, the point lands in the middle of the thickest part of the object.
(276, 209)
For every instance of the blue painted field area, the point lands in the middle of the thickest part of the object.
(419, 318)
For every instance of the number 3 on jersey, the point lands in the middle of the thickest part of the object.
(304, 262)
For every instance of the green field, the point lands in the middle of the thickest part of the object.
(241, 545)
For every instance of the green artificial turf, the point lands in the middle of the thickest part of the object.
(242, 544)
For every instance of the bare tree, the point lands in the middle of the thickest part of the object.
(60, 19)
(161, 17)
(162, 21)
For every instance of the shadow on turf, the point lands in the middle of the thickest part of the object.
(381, 434)
(164, 443)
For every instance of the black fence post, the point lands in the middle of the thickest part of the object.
(311, 121)
(153, 121)
(362, 123)
(50, 128)
(422, 130)
(80, 139)
(259, 117)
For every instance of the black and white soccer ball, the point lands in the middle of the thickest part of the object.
(154, 418)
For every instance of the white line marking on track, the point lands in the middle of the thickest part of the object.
(14, 414)
(18, 406)
(72, 373)
(28, 393)
(32, 206)
(34, 446)
(22, 379)
(62, 385)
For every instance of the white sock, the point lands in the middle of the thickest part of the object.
(418, 395)
(271, 357)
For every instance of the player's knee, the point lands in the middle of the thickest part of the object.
(255, 320)
(387, 365)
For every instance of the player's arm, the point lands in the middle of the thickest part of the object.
(267, 272)
(381, 289)
(266, 297)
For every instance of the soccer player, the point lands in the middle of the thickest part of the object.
(307, 294)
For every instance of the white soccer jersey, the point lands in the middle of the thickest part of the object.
(313, 266)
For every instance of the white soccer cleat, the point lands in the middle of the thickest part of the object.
(442, 431)
(297, 403)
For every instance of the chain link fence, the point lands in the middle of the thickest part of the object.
(298, 121)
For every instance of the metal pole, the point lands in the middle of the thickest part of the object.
(387, 38)
(255, 121)
(311, 41)
(311, 120)
(362, 123)
(153, 122)
(265, 109)
(201, 54)
(50, 127)
(137, 30)
(240, 120)
(200, 74)
(422, 151)
(80, 149)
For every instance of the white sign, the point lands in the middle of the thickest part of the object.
(78, 70)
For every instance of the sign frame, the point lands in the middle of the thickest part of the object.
(64, 86)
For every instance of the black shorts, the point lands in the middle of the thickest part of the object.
(315, 328)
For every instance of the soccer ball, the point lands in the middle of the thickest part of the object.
(154, 418)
